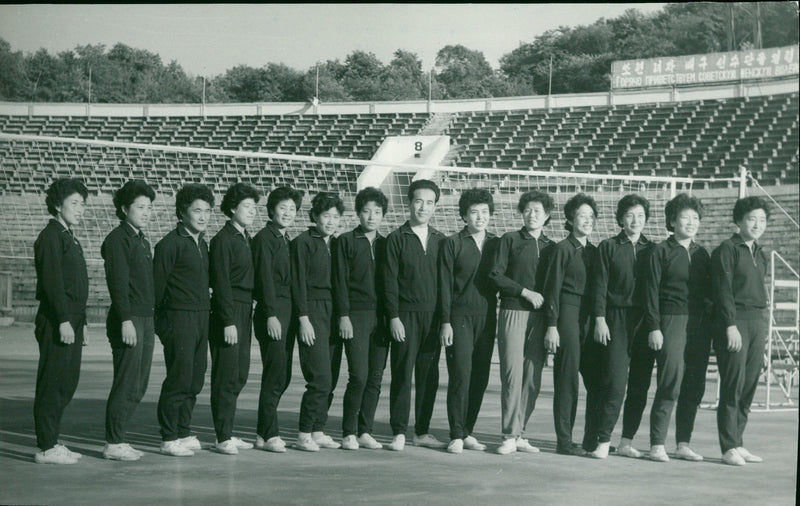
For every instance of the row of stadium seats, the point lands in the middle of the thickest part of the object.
(702, 139)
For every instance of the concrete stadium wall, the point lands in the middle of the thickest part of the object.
(644, 96)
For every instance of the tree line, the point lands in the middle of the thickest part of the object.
(581, 61)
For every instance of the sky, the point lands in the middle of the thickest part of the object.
(207, 39)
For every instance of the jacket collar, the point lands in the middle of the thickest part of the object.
(464, 233)
(231, 229)
(359, 233)
(738, 240)
(673, 243)
(576, 243)
(62, 229)
(527, 235)
(274, 230)
(405, 228)
(623, 238)
(313, 232)
(181, 229)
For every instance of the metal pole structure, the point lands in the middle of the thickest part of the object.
(732, 28)
(758, 42)
(204, 91)
(742, 182)
(768, 377)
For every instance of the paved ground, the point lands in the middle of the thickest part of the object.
(414, 476)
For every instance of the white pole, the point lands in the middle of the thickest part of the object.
(204, 91)
(316, 88)
(769, 334)
(742, 182)
(550, 79)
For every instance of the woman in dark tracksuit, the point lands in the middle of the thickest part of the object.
(361, 319)
(468, 315)
(129, 325)
(616, 306)
(739, 267)
(273, 313)
(311, 297)
(180, 280)
(62, 289)
(231, 278)
(677, 282)
(566, 300)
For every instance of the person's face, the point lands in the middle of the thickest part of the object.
(71, 209)
(583, 223)
(327, 222)
(752, 225)
(138, 213)
(284, 213)
(370, 216)
(195, 219)
(686, 224)
(423, 204)
(633, 220)
(477, 218)
(244, 213)
(534, 216)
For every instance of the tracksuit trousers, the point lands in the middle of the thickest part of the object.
(468, 363)
(417, 356)
(315, 362)
(520, 343)
(230, 366)
(698, 349)
(131, 373)
(57, 376)
(273, 375)
(739, 372)
(366, 360)
(669, 374)
(615, 359)
(184, 335)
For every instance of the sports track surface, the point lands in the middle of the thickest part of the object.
(415, 476)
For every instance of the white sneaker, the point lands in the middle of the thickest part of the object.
(429, 441)
(601, 452)
(325, 441)
(749, 457)
(274, 444)
(190, 443)
(227, 447)
(398, 443)
(627, 450)
(732, 458)
(470, 443)
(240, 444)
(350, 442)
(369, 442)
(119, 451)
(74, 455)
(306, 443)
(525, 447)
(686, 453)
(175, 449)
(658, 453)
(55, 455)
(509, 445)
(455, 446)
(134, 450)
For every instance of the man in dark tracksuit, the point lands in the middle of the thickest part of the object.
(62, 289)
(617, 309)
(180, 274)
(677, 282)
(129, 325)
(273, 313)
(739, 267)
(409, 287)
(469, 306)
(355, 276)
(231, 277)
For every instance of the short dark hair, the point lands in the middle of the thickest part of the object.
(188, 194)
(323, 201)
(630, 201)
(235, 195)
(747, 204)
(679, 203)
(536, 196)
(280, 194)
(129, 192)
(371, 194)
(62, 188)
(472, 197)
(423, 184)
(573, 204)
